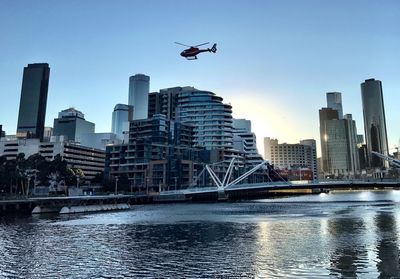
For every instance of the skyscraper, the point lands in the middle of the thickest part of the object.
(120, 120)
(374, 121)
(334, 100)
(338, 144)
(139, 86)
(32, 105)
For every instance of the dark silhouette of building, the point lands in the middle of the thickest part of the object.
(32, 106)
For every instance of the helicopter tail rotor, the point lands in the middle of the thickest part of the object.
(214, 48)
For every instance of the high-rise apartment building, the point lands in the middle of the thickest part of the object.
(32, 106)
(71, 124)
(334, 101)
(244, 140)
(374, 121)
(158, 156)
(139, 86)
(120, 120)
(211, 118)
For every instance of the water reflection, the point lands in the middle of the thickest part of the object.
(349, 257)
(338, 236)
(387, 245)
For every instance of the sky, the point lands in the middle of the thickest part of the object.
(276, 59)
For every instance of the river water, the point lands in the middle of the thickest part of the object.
(336, 235)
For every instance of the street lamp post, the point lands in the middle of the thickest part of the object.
(77, 181)
(116, 185)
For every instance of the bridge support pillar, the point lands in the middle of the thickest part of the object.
(222, 195)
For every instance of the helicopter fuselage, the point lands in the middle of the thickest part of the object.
(191, 53)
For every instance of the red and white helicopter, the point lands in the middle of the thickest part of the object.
(192, 51)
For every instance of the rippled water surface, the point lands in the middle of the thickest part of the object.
(341, 235)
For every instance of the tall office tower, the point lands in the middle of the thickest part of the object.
(211, 118)
(338, 144)
(72, 125)
(245, 141)
(139, 86)
(32, 105)
(120, 120)
(334, 100)
(1, 131)
(292, 156)
(374, 121)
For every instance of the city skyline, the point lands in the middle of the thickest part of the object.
(274, 66)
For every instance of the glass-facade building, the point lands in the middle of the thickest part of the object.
(139, 86)
(374, 121)
(32, 105)
(334, 101)
(71, 124)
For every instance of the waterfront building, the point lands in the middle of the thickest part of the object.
(338, 137)
(89, 160)
(71, 124)
(244, 140)
(334, 101)
(139, 86)
(32, 106)
(299, 156)
(374, 121)
(159, 155)
(211, 118)
(120, 120)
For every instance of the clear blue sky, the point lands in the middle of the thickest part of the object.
(275, 61)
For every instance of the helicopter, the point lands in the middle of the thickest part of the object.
(192, 51)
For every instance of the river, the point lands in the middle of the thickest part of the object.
(336, 235)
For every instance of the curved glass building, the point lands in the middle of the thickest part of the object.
(211, 118)
(374, 121)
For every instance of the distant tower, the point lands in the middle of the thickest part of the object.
(334, 100)
(374, 121)
(120, 119)
(139, 86)
(71, 124)
(32, 105)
